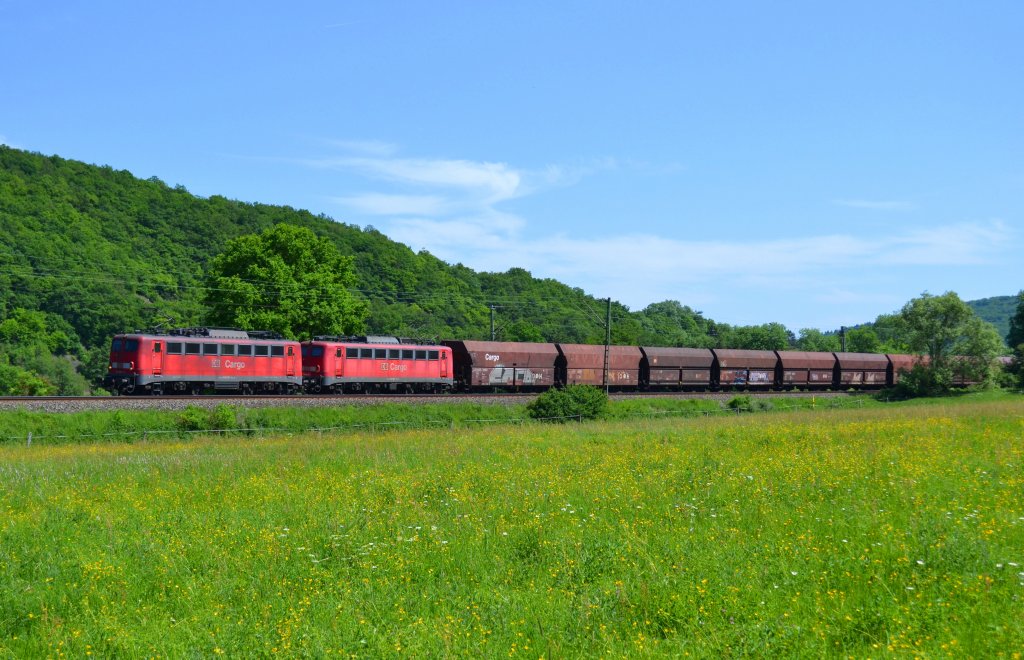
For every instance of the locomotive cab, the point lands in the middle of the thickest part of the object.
(196, 360)
(134, 360)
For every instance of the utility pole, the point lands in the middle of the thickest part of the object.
(493, 307)
(607, 343)
(842, 337)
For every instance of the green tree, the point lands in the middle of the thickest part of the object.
(285, 279)
(863, 340)
(1015, 337)
(817, 341)
(765, 337)
(955, 340)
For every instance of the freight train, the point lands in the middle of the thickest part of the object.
(202, 360)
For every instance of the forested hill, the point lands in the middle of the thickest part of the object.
(91, 251)
(996, 310)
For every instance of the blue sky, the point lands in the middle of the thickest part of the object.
(802, 162)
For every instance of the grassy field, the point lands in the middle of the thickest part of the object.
(896, 529)
(126, 426)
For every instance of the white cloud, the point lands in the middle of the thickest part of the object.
(451, 207)
(640, 268)
(366, 147)
(955, 245)
(489, 183)
(395, 205)
(875, 205)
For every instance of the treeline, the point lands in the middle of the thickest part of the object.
(89, 251)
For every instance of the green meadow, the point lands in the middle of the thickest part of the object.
(889, 530)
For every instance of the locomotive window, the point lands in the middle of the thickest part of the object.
(156, 347)
(421, 355)
(406, 353)
(431, 355)
(366, 352)
(211, 349)
(380, 354)
(174, 347)
(191, 349)
(227, 349)
(291, 351)
(116, 346)
(245, 349)
(337, 352)
(277, 351)
(314, 351)
(350, 352)
(131, 345)
(393, 353)
(262, 350)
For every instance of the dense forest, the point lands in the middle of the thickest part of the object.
(88, 251)
(996, 310)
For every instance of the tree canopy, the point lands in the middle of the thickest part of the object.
(287, 280)
(950, 334)
(1015, 337)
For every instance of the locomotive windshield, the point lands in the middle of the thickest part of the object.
(130, 345)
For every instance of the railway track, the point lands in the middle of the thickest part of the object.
(83, 403)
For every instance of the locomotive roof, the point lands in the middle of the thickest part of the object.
(385, 340)
(214, 333)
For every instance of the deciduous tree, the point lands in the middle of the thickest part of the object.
(285, 279)
(947, 330)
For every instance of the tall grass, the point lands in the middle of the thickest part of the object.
(815, 533)
(137, 425)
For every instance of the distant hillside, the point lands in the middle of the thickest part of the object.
(88, 251)
(98, 251)
(997, 311)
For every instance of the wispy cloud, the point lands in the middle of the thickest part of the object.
(365, 147)
(6, 142)
(454, 209)
(395, 205)
(875, 205)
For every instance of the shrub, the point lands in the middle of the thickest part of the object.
(192, 418)
(572, 402)
(745, 403)
(223, 417)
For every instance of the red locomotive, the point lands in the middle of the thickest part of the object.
(193, 360)
(375, 365)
